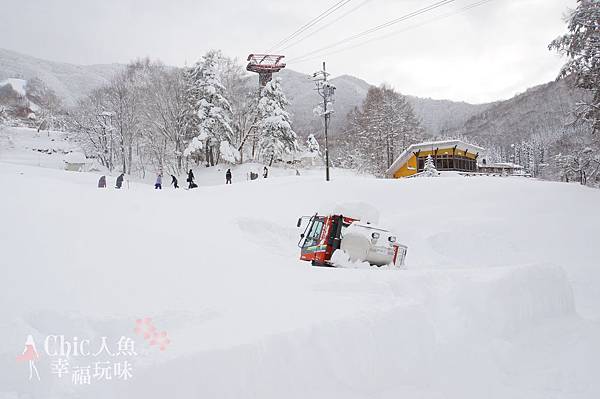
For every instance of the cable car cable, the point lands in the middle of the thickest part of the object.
(326, 26)
(377, 28)
(310, 24)
(443, 16)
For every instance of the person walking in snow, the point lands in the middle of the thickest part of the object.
(265, 172)
(190, 179)
(228, 176)
(102, 182)
(174, 181)
(120, 180)
(158, 184)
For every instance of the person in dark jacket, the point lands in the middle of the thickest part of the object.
(174, 181)
(265, 172)
(102, 182)
(120, 180)
(228, 176)
(190, 179)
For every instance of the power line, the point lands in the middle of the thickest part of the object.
(310, 23)
(325, 26)
(443, 16)
(378, 27)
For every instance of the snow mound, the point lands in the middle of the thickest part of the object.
(75, 157)
(340, 258)
(420, 347)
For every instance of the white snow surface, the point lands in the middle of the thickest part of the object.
(499, 299)
(362, 211)
(75, 157)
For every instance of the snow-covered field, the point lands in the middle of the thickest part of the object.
(499, 299)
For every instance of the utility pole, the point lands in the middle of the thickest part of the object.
(326, 90)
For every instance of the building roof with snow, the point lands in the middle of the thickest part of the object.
(502, 165)
(455, 155)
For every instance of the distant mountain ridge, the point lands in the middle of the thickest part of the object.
(441, 116)
(70, 82)
(542, 112)
(539, 110)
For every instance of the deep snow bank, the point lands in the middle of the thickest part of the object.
(448, 332)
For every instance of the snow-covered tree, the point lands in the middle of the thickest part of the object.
(276, 136)
(429, 169)
(212, 107)
(573, 157)
(3, 115)
(582, 46)
(228, 152)
(243, 99)
(312, 144)
(378, 131)
(136, 121)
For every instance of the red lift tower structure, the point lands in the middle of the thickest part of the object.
(265, 65)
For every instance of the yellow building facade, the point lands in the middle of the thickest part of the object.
(449, 155)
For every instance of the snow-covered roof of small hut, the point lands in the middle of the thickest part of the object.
(502, 165)
(75, 157)
(431, 145)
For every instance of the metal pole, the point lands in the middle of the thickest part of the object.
(325, 98)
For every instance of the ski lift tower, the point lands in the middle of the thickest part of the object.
(265, 65)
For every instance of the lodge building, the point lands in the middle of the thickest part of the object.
(448, 155)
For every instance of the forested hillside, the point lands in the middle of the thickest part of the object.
(543, 111)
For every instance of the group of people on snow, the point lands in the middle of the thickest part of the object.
(174, 182)
(119, 183)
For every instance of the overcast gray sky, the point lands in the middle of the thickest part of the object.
(487, 53)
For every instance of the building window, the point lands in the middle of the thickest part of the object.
(449, 162)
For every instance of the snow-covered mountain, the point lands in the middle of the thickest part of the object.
(543, 111)
(439, 116)
(13, 91)
(70, 82)
(300, 90)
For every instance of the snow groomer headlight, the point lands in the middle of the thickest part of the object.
(375, 235)
(392, 239)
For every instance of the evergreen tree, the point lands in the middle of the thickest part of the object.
(212, 108)
(429, 169)
(582, 46)
(274, 123)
